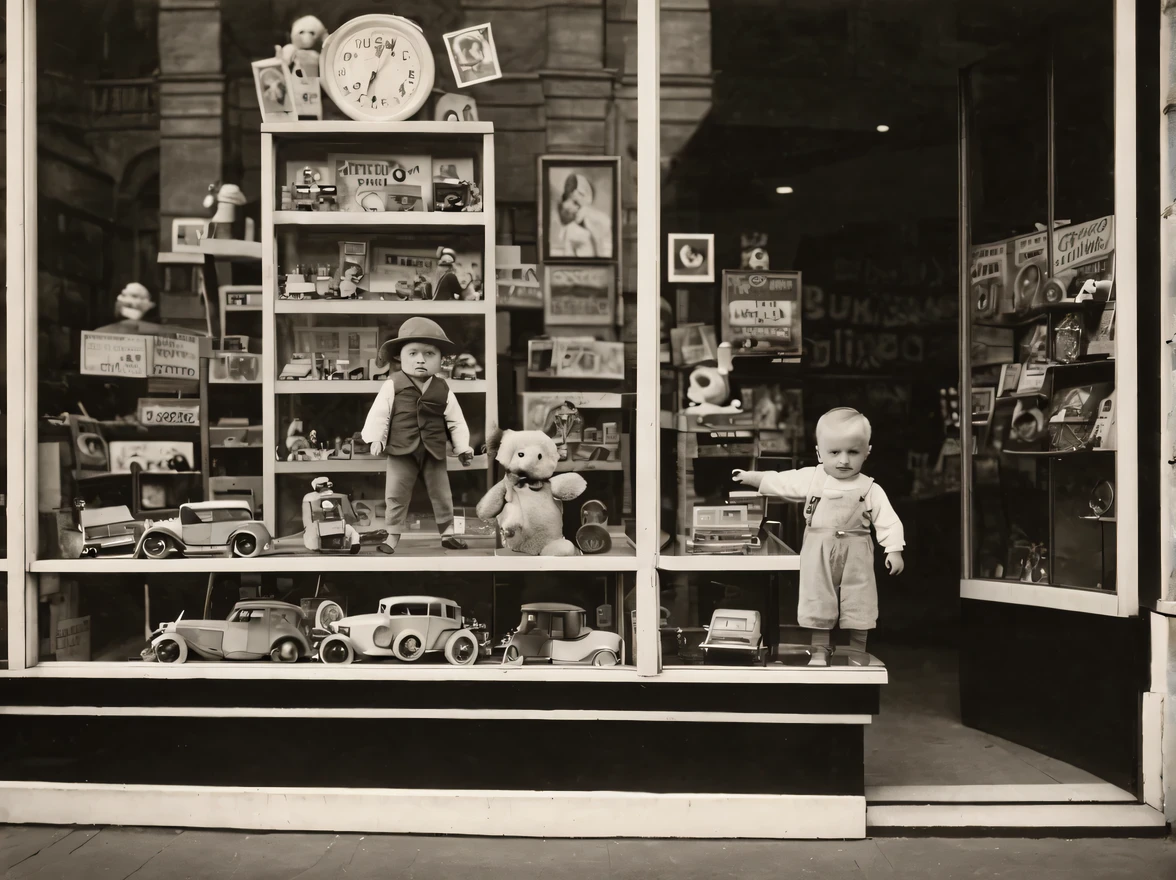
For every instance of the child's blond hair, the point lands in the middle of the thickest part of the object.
(844, 418)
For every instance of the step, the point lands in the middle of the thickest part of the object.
(1048, 793)
(1037, 820)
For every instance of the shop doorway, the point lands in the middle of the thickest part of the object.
(841, 158)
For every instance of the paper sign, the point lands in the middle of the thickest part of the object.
(1083, 243)
(176, 358)
(112, 354)
(762, 312)
(71, 640)
(168, 411)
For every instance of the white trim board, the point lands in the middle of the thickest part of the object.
(1042, 596)
(453, 714)
(562, 814)
(983, 816)
(1044, 793)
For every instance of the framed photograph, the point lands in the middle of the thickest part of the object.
(983, 400)
(761, 312)
(274, 94)
(576, 295)
(579, 208)
(691, 258)
(187, 232)
(472, 55)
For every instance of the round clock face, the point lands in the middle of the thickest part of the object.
(378, 68)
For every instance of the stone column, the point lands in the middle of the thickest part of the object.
(191, 108)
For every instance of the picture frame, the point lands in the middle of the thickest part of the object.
(983, 402)
(690, 257)
(187, 233)
(579, 295)
(579, 208)
(761, 312)
(472, 55)
(275, 92)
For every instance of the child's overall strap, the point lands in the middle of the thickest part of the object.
(816, 486)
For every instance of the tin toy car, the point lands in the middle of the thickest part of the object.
(407, 628)
(205, 528)
(734, 635)
(253, 630)
(330, 525)
(108, 531)
(553, 632)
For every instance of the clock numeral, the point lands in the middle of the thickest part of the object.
(342, 72)
(347, 56)
(404, 55)
(357, 86)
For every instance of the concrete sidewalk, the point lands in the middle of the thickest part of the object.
(148, 853)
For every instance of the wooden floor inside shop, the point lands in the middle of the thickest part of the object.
(918, 738)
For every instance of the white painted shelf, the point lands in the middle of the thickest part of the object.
(377, 307)
(317, 129)
(704, 562)
(359, 466)
(366, 386)
(401, 220)
(588, 466)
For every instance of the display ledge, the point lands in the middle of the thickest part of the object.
(310, 670)
(488, 561)
(1088, 601)
(380, 219)
(706, 562)
(583, 467)
(365, 386)
(377, 307)
(361, 466)
(213, 381)
(316, 128)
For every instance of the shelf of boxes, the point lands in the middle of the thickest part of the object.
(397, 220)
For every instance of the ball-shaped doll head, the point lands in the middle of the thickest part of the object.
(307, 33)
(528, 453)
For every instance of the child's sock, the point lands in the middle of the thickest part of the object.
(857, 639)
(820, 637)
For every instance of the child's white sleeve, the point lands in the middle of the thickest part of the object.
(790, 485)
(459, 431)
(375, 428)
(886, 521)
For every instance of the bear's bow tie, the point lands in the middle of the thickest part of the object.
(532, 483)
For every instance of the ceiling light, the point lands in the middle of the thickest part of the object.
(783, 190)
(883, 128)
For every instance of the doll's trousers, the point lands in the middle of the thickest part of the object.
(403, 472)
(837, 581)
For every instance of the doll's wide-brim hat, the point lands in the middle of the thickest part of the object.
(415, 330)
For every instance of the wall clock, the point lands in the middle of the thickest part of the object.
(378, 68)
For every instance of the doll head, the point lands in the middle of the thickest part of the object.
(843, 442)
(307, 33)
(353, 272)
(420, 360)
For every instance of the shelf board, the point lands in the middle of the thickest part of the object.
(1053, 453)
(212, 381)
(377, 307)
(235, 446)
(364, 386)
(1102, 519)
(180, 258)
(717, 562)
(234, 249)
(359, 466)
(317, 129)
(587, 466)
(241, 308)
(380, 219)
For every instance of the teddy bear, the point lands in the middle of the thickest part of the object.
(528, 501)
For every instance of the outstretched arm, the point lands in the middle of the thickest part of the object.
(565, 487)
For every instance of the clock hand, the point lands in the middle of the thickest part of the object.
(381, 60)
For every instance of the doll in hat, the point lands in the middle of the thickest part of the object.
(448, 285)
(409, 422)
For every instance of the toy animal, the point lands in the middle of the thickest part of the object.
(710, 389)
(528, 501)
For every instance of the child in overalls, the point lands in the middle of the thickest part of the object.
(837, 557)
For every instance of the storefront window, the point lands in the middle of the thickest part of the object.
(288, 304)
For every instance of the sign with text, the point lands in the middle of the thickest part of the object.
(168, 411)
(579, 294)
(71, 639)
(761, 312)
(177, 358)
(113, 354)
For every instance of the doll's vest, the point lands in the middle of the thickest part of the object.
(418, 418)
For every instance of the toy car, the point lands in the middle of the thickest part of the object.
(205, 528)
(330, 525)
(108, 531)
(254, 630)
(734, 635)
(552, 632)
(407, 628)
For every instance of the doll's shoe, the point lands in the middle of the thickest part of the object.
(384, 548)
(454, 543)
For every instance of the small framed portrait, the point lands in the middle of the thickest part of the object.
(187, 232)
(579, 205)
(275, 96)
(472, 55)
(691, 258)
(983, 400)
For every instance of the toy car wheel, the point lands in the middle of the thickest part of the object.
(462, 649)
(245, 544)
(286, 651)
(511, 655)
(336, 649)
(90, 553)
(604, 658)
(408, 646)
(171, 650)
(157, 546)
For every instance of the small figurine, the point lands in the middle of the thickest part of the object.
(351, 275)
(294, 439)
(837, 556)
(593, 536)
(474, 201)
(466, 366)
(710, 389)
(226, 198)
(133, 302)
(448, 287)
(408, 422)
(302, 52)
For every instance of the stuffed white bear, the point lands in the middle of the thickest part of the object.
(528, 501)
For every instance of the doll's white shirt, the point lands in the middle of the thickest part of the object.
(380, 416)
(794, 485)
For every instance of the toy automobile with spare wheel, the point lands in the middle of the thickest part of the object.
(557, 633)
(734, 637)
(254, 630)
(108, 531)
(407, 628)
(205, 528)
